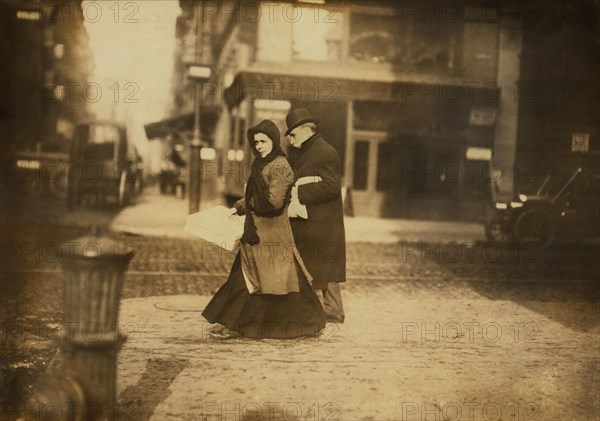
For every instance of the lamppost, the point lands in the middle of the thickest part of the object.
(199, 73)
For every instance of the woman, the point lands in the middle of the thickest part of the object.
(268, 294)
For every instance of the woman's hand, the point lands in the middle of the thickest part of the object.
(232, 211)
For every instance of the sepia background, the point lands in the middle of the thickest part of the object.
(468, 137)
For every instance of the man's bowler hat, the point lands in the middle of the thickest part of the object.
(298, 117)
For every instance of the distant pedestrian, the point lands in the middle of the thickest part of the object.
(321, 237)
(268, 294)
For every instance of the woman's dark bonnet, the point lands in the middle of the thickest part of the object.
(270, 129)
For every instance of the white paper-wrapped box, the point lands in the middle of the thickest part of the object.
(217, 226)
(297, 209)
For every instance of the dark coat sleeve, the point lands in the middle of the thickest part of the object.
(329, 169)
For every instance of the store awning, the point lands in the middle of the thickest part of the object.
(209, 116)
(250, 86)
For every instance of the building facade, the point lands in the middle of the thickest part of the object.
(560, 75)
(46, 64)
(425, 102)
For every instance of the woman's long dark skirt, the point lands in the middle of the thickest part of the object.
(265, 316)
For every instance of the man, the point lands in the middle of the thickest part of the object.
(320, 238)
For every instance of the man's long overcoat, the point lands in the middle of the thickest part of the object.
(321, 238)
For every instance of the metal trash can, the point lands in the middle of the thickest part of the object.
(94, 269)
(93, 272)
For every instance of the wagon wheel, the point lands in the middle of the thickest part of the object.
(535, 227)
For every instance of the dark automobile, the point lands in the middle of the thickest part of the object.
(102, 164)
(565, 205)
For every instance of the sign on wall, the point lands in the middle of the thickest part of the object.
(482, 116)
(580, 142)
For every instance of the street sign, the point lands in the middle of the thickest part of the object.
(580, 142)
(483, 116)
(199, 72)
(479, 154)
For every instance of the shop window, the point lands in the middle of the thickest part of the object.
(388, 39)
(375, 38)
(361, 165)
(432, 46)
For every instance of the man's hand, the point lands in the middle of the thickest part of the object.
(232, 211)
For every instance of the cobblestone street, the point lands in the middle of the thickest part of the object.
(434, 331)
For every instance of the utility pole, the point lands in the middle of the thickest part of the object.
(199, 73)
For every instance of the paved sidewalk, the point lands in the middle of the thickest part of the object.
(164, 215)
(411, 351)
(426, 338)
(422, 355)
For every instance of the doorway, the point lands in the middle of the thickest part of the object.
(406, 176)
(377, 162)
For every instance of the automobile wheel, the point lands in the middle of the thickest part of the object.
(496, 231)
(535, 227)
(122, 192)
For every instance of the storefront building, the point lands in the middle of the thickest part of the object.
(417, 98)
